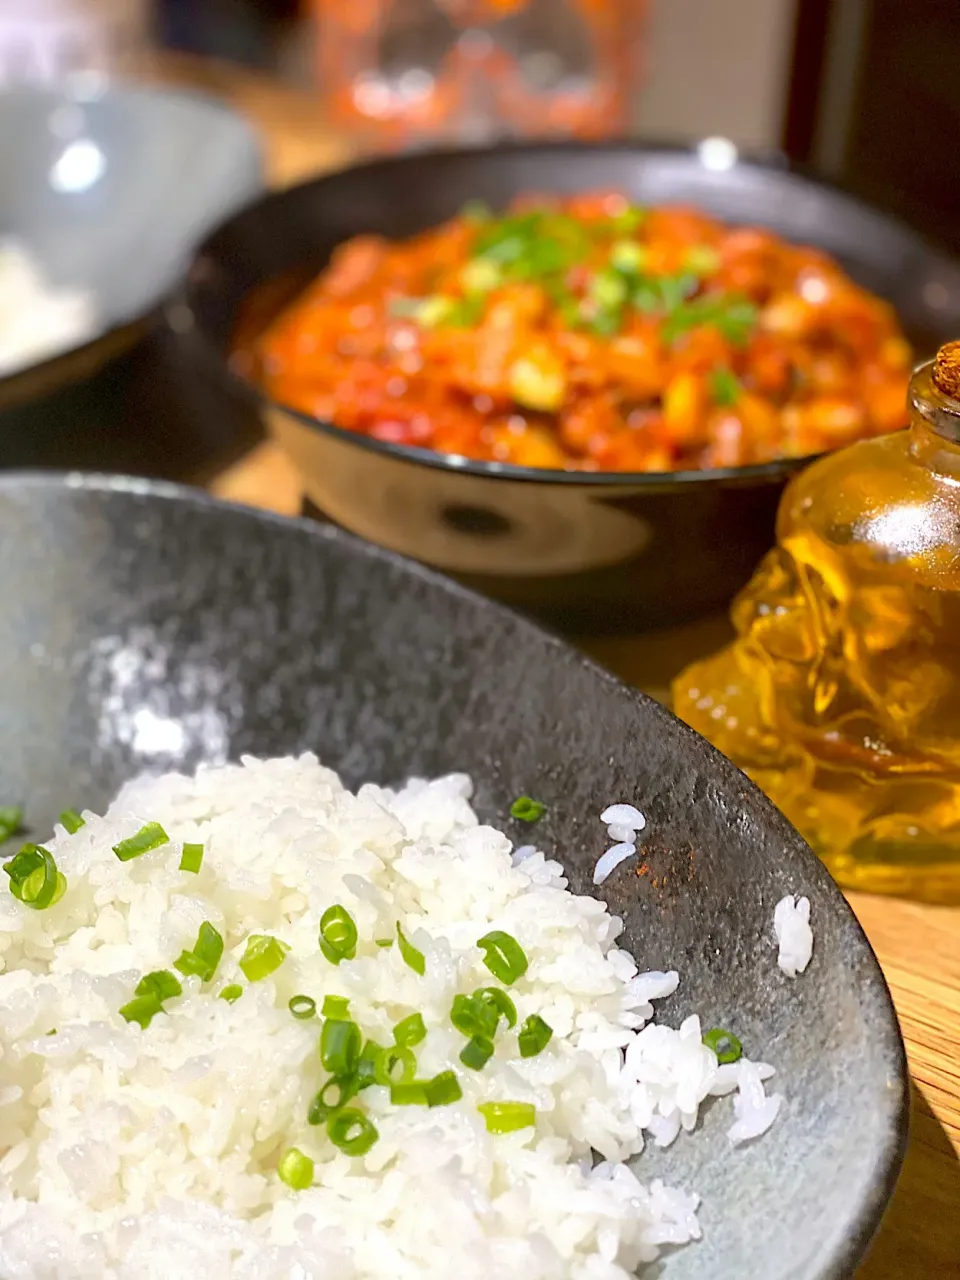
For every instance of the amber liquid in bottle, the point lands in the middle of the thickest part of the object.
(841, 694)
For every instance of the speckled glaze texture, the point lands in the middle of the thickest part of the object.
(149, 628)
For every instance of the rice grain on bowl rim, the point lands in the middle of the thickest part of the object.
(154, 1152)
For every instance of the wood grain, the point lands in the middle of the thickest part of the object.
(918, 946)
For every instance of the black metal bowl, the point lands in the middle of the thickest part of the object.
(585, 552)
(146, 628)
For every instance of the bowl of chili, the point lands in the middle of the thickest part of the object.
(574, 376)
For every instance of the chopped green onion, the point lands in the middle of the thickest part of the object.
(335, 1006)
(161, 983)
(263, 956)
(231, 993)
(608, 289)
(414, 958)
(435, 311)
(477, 1053)
(191, 858)
(501, 1002)
(142, 1009)
(480, 275)
(630, 220)
(11, 817)
(507, 1117)
(388, 1059)
(150, 837)
(340, 1046)
(410, 1031)
(473, 1016)
(443, 1089)
(367, 1066)
(702, 260)
(724, 387)
(384, 942)
(409, 1093)
(337, 1091)
(503, 956)
(71, 821)
(338, 934)
(34, 878)
(527, 810)
(351, 1131)
(628, 257)
(296, 1170)
(535, 1035)
(202, 961)
(724, 1044)
(302, 1007)
(730, 313)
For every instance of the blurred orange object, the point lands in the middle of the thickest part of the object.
(398, 73)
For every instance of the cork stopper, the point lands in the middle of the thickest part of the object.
(946, 370)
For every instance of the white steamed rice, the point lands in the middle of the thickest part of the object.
(130, 1154)
(791, 924)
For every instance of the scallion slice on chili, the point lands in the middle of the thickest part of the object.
(535, 1035)
(296, 1170)
(412, 957)
(191, 857)
(503, 956)
(262, 956)
(338, 934)
(302, 1007)
(34, 878)
(443, 1089)
(351, 1131)
(149, 837)
(527, 810)
(202, 961)
(71, 821)
(11, 818)
(410, 1031)
(724, 1044)
(507, 1117)
(385, 1068)
(476, 1053)
(161, 983)
(724, 387)
(500, 1001)
(333, 1095)
(340, 1043)
(233, 991)
(335, 1006)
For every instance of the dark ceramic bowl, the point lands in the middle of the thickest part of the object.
(146, 627)
(587, 553)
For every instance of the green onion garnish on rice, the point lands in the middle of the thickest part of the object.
(263, 956)
(724, 1044)
(503, 956)
(473, 1016)
(351, 1131)
(385, 1067)
(507, 1117)
(71, 821)
(141, 1009)
(335, 1006)
(34, 878)
(302, 1007)
(409, 1093)
(535, 1035)
(202, 961)
(232, 992)
(11, 818)
(414, 958)
(340, 1046)
(410, 1031)
(384, 942)
(527, 810)
(332, 1096)
(161, 984)
(443, 1089)
(367, 1066)
(191, 858)
(296, 1170)
(477, 1053)
(150, 837)
(500, 1001)
(338, 934)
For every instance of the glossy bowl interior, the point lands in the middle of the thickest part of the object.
(149, 628)
(111, 189)
(584, 552)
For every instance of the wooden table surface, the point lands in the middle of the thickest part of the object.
(918, 946)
